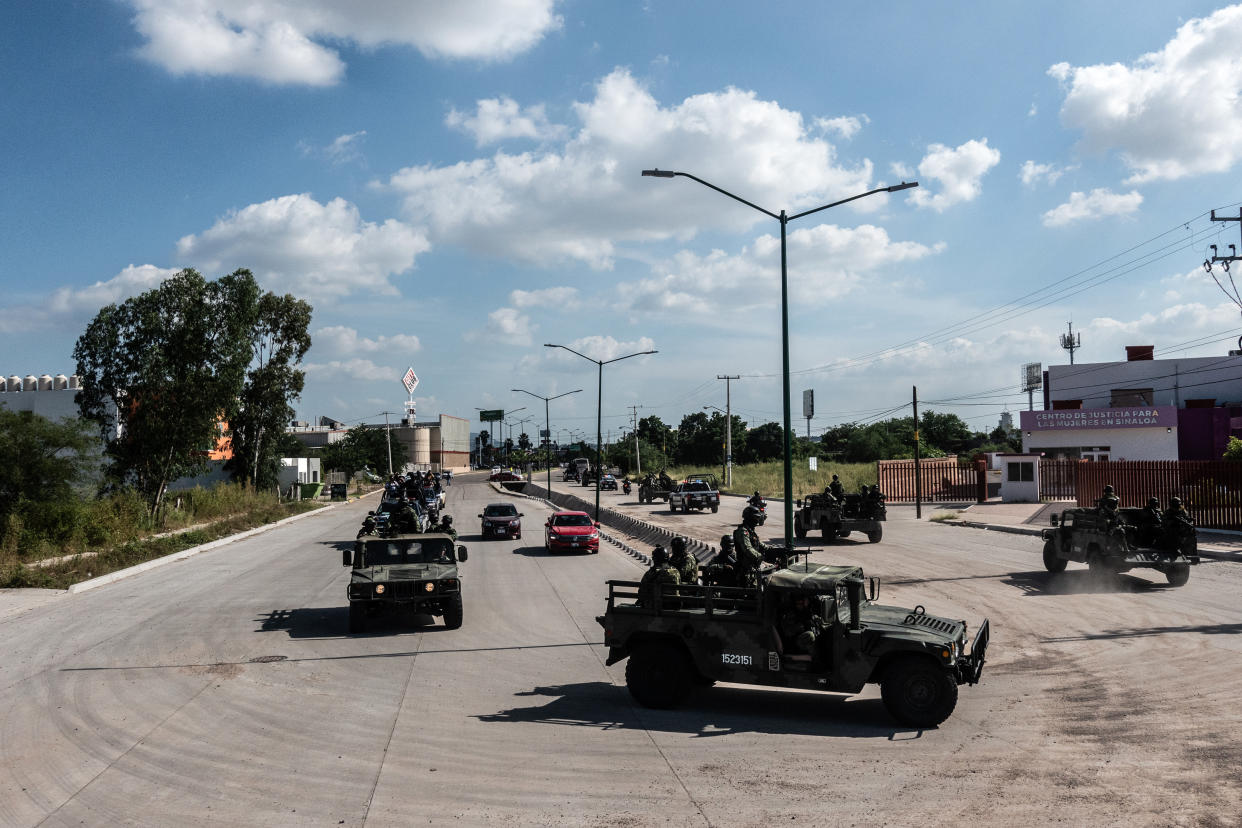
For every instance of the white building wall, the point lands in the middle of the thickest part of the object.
(1158, 443)
(1173, 381)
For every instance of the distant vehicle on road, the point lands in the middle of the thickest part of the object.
(568, 531)
(501, 520)
(698, 491)
(411, 572)
(505, 476)
(608, 482)
(1128, 541)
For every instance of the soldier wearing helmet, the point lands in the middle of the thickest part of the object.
(836, 488)
(446, 526)
(685, 564)
(1108, 503)
(660, 572)
(722, 571)
(1176, 511)
(750, 551)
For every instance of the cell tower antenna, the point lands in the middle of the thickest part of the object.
(1071, 341)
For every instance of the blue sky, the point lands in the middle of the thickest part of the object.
(453, 185)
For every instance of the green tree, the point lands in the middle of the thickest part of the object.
(697, 441)
(158, 373)
(1233, 450)
(653, 431)
(524, 441)
(41, 460)
(278, 341)
(765, 442)
(360, 448)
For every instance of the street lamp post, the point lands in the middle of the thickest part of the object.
(599, 411)
(547, 425)
(784, 220)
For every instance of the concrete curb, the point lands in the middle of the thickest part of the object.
(145, 566)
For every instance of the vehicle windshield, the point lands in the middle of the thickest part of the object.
(500, 510)
(571, 520)
(382, 552)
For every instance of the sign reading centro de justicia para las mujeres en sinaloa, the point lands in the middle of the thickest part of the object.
(1160, 415)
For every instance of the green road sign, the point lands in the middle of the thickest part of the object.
(492, 415)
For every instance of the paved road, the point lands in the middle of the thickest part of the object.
(140, 702)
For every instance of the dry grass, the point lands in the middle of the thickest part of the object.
(769, 478)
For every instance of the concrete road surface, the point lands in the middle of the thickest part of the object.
(224, 690)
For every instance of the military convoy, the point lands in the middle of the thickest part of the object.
(415, 572)
(838, 517)
(1111, 543)
(655, 487)
(691, 634)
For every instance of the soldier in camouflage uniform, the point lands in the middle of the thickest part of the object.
(445, 526)
(722, 571)
(685, 564)
(836, 488)
(1109, 503)
(751, 551)
(660, 572)
(800, 626)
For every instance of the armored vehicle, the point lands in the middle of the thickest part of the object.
(688, 634)
(697, 491)
(1130, 540)
(838, 518)
(655, 486)
(414, 572)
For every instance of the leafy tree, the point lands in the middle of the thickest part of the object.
(41, 460)
(697, 442)
(1233, 450)
(653, 431)
(278, 341)
(837, 438)
(158, 372)
(524, 441)
(765, 442)
(947, 432)
(361, 447)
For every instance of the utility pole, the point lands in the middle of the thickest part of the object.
(638, 461)
(918, 478)
(388, 437)
(1071, 341)
(728, 467)
(1225, 261)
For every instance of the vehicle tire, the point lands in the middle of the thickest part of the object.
(799, 526)
(844, 533)
(453, 614)
(875, 534)
(827, 530)
(1098, 568)
(658, 676)
(1178, 574)
(716, 508)
(1052, 561)
(357, 617)
(918, 692)
(685, 508)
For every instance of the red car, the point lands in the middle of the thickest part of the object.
(571, 532)
(503, 476)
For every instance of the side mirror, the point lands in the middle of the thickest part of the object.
(597, 524)
(461, 553)
(873, 590)
(480, 514)
(521, 514)
(1056, 521)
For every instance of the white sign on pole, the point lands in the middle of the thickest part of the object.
(814, 463)
(410, 380)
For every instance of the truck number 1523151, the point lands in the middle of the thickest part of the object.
(735, 658)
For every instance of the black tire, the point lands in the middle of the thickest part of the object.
(658, 676)
(1098, 568)
(828, 531)
(875, 534)
(357, 617)
(799, 526)
(844, 533)
(453, 613)
(918, 692)
(1052, 561)
(716, 508)
(1178, 574)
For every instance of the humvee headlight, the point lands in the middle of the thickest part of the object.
(429, 586)
(379, 589)
(946, 654)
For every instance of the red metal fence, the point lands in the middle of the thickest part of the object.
(943, 480)
(1210, 489)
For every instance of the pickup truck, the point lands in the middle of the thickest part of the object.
(687, 634)
(695, 492)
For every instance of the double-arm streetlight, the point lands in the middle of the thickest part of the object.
(784, 220)
(599, 412)
(547, 425)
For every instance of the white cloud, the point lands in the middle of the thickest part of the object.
(1170, 114)
(294, 243)
(603, 348)
(575, 203)
(68, 306)
(555, 297)
(507, 325)
(957, 172)
(826, 262)
(847, 126)
(1091, 206)
(345, 341)
(291, 42)
(358, 369)
(1033, 111)
(496, 119)
(1032, 173)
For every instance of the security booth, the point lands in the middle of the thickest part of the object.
(1019, 478)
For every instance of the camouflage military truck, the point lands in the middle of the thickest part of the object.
(691, 634)
(655, 487)
(411, 572)
(838, 518)
(1130, 541)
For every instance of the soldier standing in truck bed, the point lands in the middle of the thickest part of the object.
(660, 572)
(685, 564)
(836, 489)
(750, 551)
(1109, 503)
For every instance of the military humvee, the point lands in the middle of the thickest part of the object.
(838, 518)
(693, 634)
(1112, 545)
(415, 572)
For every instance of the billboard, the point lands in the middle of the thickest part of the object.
(492, 415)
(410, 380)
(808, 403)
(1032, 376)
